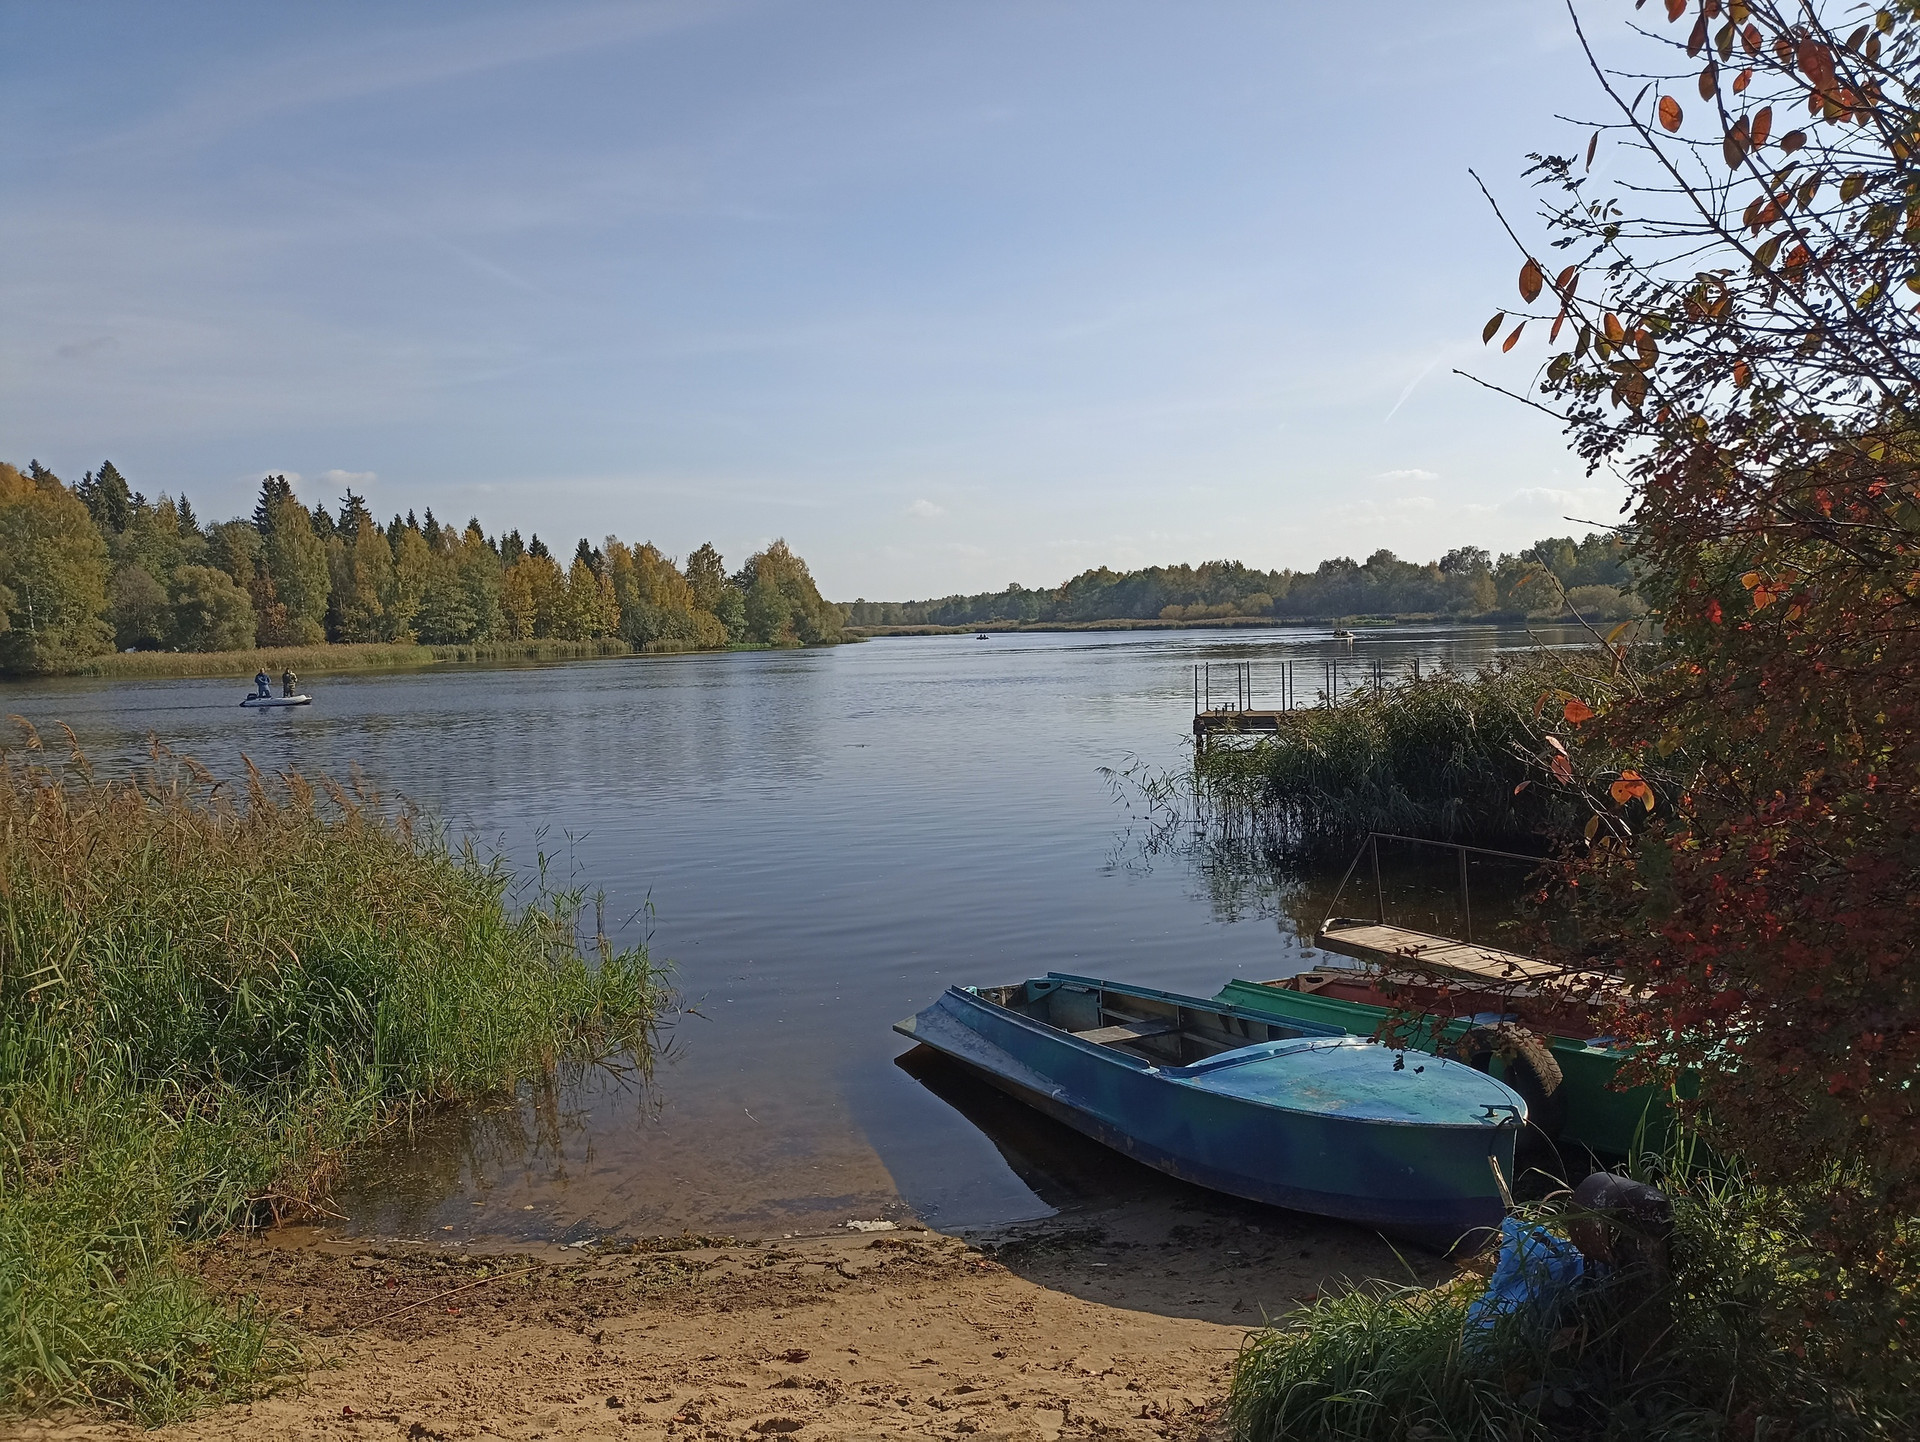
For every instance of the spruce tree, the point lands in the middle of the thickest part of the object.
(273, 490)
(107, 498)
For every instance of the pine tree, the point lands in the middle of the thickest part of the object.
(273, 490)
(107, 499)
(353, 510)
(512, 548)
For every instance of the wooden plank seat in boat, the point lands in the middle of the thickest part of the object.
(1129, 1031)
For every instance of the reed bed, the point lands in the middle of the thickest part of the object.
(547, 649)
(1720, 1354)
(1441, 758)
(208, 997)
(242, 665)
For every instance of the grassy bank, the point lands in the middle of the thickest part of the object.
(206, 1000)
(1723, 1352)
(1439, 758)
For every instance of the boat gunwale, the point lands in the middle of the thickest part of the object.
(1186, 1076)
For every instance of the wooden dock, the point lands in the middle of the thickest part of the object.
(1208, 724)
(1423, 955)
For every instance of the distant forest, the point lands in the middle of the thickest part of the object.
(1591, 575)
(97, 566)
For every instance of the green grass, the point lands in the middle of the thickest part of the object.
(1727, 1352)
(1440, 758)
(206, 1001)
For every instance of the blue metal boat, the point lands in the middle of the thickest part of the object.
(1276, 1110)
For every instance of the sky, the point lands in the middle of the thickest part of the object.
(947, 294)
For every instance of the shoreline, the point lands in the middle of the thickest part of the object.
(1211, 623)
(368, 656)
(1119, 1324)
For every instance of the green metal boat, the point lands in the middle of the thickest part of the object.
(1588, 1110)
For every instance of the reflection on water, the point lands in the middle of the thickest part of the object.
(827, 839)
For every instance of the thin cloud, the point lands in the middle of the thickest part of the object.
(1412, 473)
(82, 350)
(424, 56)
(926, 510)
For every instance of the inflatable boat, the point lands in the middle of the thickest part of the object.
(262, 702)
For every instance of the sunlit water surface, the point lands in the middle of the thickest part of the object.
(819, 842)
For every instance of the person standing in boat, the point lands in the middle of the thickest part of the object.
(287, 681)
(262, 687)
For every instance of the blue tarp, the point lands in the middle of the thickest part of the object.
(1535, 1271)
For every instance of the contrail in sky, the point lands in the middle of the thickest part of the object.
(1410, 385)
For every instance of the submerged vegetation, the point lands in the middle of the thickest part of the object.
(206, 1000)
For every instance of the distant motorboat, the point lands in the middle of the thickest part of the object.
(262, 702)
(1343, 635)
(983, 636)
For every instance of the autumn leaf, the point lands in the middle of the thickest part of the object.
(1513, 340)
(1742, 81)
(1762, 126)
(1592, 145)
(1531, 280)
(1492, 327)
(1734, 147)
(1742, 374)
(1577, 711)
(1631, 788)
(1615, 331)
(1709, 81)
(1675, 9)
(1670, 112)
(1562, 770)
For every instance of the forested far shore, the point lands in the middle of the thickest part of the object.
(1591, 576)
(96, 567)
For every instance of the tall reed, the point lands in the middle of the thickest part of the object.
(1443, 758)
(208, 996)
(241, 665)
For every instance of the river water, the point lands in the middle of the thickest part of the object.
(819, 842)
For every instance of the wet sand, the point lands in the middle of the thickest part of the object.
(1121, 1325)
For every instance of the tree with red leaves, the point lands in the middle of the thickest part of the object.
(1733, 329)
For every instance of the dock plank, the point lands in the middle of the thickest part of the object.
(1397, 946)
